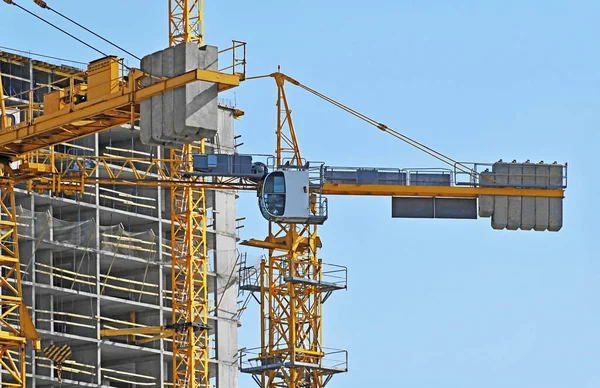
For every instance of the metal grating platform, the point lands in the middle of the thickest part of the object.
(324, 286)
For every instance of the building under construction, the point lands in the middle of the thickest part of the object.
(101, 259)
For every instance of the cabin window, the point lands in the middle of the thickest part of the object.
(274, 194)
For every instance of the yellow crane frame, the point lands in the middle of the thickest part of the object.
(291, 322)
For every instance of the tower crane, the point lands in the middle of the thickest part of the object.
(291, 282)
(294, 269)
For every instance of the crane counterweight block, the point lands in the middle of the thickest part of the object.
(188, 113)
(523, 212)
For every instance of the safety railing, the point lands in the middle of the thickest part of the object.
(525, 175)
(320, 273)
(334, 274)
(237, 65)
(248, 275)
(319, 206)
(386, 176)
(327, 360)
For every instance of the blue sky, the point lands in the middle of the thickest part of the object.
(429, 303)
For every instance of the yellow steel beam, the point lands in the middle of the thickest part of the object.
(157, 332)
(189, 274)
(135, 331)
(68, 173)
(437, 191)
(188, 231)
(284, 243)
(12, 336)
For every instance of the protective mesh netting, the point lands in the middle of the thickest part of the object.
(113, 238)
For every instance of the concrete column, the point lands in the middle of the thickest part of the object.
(224, 213)
(98, 280)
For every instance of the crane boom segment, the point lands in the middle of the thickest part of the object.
(111, 107)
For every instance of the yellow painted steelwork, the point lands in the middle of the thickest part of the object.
(103, 78)
(119, 108)
(436, 191)
(188, 233)
(186, 22)
(188, 275)
(291, 322)
(72, 172)
(12, 337)
(157, 332)
(68, 173)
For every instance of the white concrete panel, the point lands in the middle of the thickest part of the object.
(146, 106)
(168, 70)
(157, 101)
(555, 216)
(188, 113)
(542, 175)
(528, 203)
(515, 178)
(202, 97)
(486, 202)
(500, 216)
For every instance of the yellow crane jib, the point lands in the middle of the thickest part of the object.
(514, 195)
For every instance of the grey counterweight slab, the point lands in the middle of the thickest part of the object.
(515, 178)
(188, 113)
(486, 202)
(500, 216)
(555, 216)
(528, 203)
(542, 175)
(518, 212)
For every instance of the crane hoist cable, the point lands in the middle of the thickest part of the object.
(408, 140)
(42, 55)
(11, 2)
(45, 5)
(420, 146)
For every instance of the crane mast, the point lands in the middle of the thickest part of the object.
(186, 22)
(291, 289)
(188, 234)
